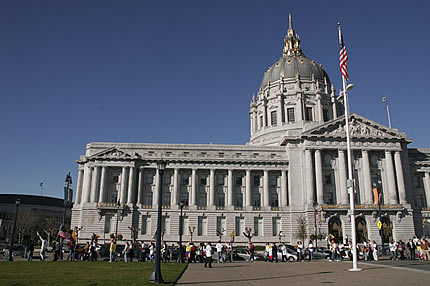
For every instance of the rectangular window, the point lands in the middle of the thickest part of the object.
(276, 226)
(261, 121)
(186, 225)
(165, 224)
(308, 114)
(327, 179)
(273, 119)
(238, 181)
(256, 181)
(325, 114)
(202, 228)
(114, 196)
(107, 224)
(185, 181)
(258, 226)
(115, 179)
(290, 114)
(203, 181)
(239, 226)
(220, 224)
(146, 225)
(220, 180)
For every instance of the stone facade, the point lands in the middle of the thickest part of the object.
(295, 166)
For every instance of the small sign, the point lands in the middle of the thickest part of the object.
(379, 224)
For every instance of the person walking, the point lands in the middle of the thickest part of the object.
(311, 250)
(126, 252)
(42, 247)
(266, 252)
(251, 252)
(275, 252)
(393, 246)
(30, 250)
(411, 249)
(219, 252)
(375, 251)
(299, 251)
(208, 252)
(284, 253)
(425, 248)
(112, 249)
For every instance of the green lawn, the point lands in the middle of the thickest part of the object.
(85, 273)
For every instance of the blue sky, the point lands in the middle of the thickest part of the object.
(74, 72)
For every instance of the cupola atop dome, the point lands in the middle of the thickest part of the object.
(291, 41)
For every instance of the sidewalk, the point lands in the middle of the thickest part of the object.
(296, 273)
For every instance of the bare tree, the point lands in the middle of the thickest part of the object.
(248, 233)
(301, 233)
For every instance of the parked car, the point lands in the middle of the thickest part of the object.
(18, 250)
(291, 254)
(243, 254)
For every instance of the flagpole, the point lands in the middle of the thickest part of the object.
(349, 183)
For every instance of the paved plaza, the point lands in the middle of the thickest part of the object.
(309, 273)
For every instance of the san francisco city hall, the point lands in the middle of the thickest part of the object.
(295, 163)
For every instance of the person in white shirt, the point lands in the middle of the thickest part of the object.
(43, 247)
(375, 251)
(126, 252)
(311, 250)
(393, 248)
(299, 251)
(219, 257)
(284, 253)
(208, 255)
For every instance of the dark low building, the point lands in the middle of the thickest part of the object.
(34, 212)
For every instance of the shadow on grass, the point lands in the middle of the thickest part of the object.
(254, 279)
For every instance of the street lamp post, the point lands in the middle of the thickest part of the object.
(117, 220)
(17, 202)
(67, 183)
(156, 275)
(181, 232)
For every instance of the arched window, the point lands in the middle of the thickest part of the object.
(361, 229)
(387, 229)
(335, 229)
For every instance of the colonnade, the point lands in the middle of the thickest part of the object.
(93, 186)
(394, 187)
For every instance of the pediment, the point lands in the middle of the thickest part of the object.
(359, 127)
(111, 153)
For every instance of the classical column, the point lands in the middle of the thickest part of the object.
(140, 186)
(264, 113)
(367, 184)
(309, 177)
(79, 186)
(400, 178)
(102, 196)
(266, 189)
(131, 199)
(319, 109)
(279, 112)
(255, 119)
(319, 177)
(230, 188)
(193, 187)
(212, 188)
(155, 189)
(95, 184)
(175, 193)
(427, 188)
(342, 178)
(391, 183)
(124, 179)
(284, 195)
(248, 188)
(86, 188)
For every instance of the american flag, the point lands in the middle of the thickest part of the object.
(343, 57)
(65, 235)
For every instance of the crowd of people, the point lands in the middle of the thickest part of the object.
(412, 249)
